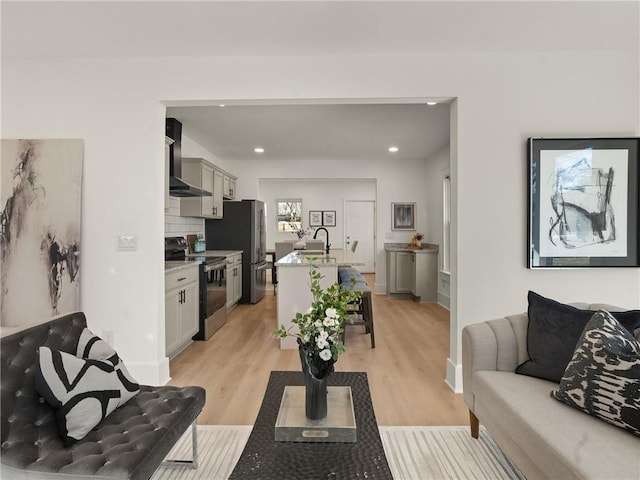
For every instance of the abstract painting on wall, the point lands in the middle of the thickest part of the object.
(583, 202)
(40, 192)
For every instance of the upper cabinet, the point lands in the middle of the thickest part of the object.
(229, 190)
(199, 173)
(205, 175)
(218, 182)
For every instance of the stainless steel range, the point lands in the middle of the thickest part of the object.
(213, 286)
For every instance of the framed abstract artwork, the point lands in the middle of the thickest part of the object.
(403, 216)
(40, 236)
(583, 202)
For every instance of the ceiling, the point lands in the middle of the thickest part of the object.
(318, 131)
(45, 29)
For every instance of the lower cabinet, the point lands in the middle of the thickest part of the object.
(181, 303)
(400, 272)
(413, 273)
(234, 279)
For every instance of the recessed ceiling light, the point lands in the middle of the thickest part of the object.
(393, 149)
(258, 150)
(222, 105)
(432, 103)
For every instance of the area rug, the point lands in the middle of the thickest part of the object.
(413, 453)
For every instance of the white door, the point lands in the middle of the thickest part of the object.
(359, 229)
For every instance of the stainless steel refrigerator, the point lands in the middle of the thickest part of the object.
(243, 228)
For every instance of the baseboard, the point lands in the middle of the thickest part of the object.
(150, 373)
(380, 288)
(454, 376)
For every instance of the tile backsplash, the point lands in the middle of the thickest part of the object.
(175, 225)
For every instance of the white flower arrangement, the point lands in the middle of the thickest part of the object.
(320, 328)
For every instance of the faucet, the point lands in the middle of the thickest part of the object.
(327, 233)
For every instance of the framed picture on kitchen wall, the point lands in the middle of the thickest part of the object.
(315, 218)
(403, 216)
(583, 202)
(329, 218)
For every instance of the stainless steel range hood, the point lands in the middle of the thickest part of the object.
(177, 186)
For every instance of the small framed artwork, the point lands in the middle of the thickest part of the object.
(329, 218)
(403, 216)
(315, 218)
(583, 202)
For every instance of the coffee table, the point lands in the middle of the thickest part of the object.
(265, 459)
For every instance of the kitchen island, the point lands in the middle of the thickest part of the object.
(294, 284)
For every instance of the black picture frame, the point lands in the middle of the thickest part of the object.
(328, 218)
(315, 218)
(583, 202)
(403, 216)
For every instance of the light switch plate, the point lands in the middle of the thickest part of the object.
(126, 243)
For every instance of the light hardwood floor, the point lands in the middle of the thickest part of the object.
(406, 370)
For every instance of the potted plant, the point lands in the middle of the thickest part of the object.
(319, 334)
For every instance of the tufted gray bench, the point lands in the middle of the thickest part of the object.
(352, 278)
(129, 444)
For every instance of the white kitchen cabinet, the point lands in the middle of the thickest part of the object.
(400, 272)
(234, 280)
(425, 276)
(413, 273)
(217, 199)
(229, 190)
(199, 173)
(182, 309)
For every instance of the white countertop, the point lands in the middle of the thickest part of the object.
(173, 265)
(405, 247)
(215, 253)
(304, 258)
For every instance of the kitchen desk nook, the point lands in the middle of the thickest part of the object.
(294, 283)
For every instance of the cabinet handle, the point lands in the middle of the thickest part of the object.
(182, 278)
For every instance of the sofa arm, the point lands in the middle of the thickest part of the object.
(498, 345)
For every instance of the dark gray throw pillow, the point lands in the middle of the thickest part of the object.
(603, 377)
(553, 333)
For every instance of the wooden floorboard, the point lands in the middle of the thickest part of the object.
(406, 370)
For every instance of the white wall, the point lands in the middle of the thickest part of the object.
(438, 166)
(115, 106)
(316, 194)
(394, 183)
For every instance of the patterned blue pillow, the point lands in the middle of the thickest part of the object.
(603, 377)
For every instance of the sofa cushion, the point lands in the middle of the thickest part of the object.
(603, 377)
(557, 441)
(82, 392)
(553, 332)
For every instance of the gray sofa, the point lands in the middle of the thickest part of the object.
(543, 437)
(129, 444)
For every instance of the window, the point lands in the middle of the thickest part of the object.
(446, 224)
(289, 215)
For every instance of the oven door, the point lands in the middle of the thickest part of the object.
(213, 287)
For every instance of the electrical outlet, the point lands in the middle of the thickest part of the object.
(126, 243)
(107, 336)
